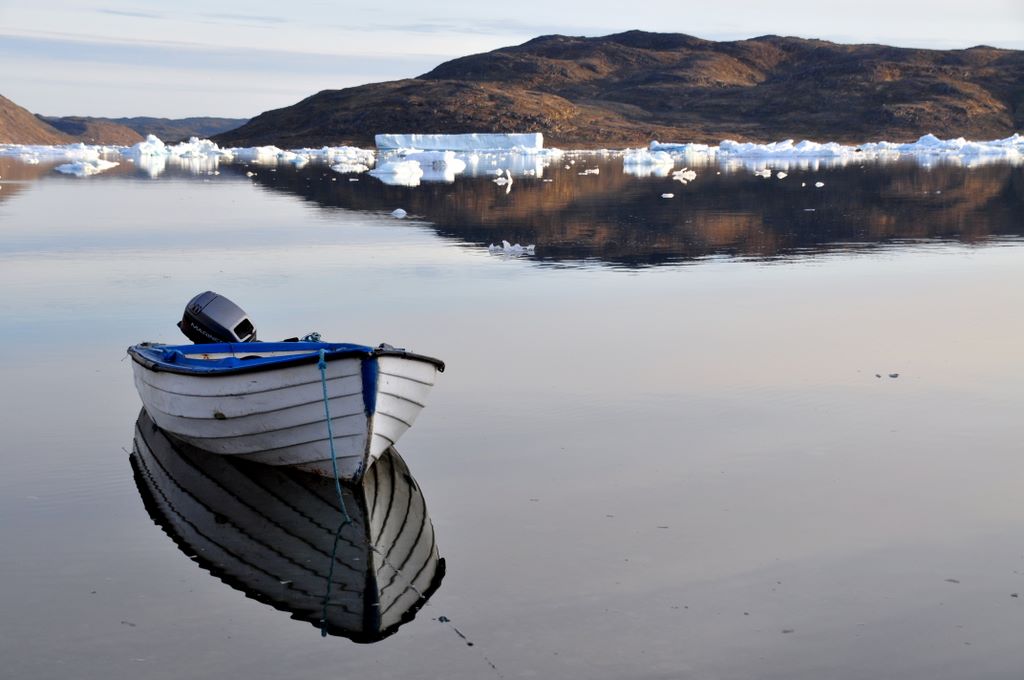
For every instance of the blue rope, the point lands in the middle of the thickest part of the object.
(330, 580)
(322, 365)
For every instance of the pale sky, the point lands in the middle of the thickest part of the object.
(237, 59)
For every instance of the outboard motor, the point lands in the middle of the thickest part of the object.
(210, 317)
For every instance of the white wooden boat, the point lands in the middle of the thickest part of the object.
(278, 535)
(265, 402)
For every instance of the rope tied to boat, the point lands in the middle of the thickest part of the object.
(322, 365)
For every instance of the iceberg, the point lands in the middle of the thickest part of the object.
(684, 175)
(399, 173)
(493, 141)
(508, 250)
(86, 168)
(646, 157)
(346, 168)
(812, 155)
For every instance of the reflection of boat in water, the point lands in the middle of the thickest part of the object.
(278, 535)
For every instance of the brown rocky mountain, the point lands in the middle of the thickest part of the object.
(180, 129)
(94, 130)
(19, 126)
(629, 88)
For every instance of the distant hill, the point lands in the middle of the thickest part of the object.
(94, 130)
(629, 88)
(19, 126)
(121, 130)
(180, 129)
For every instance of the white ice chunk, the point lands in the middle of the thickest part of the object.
(819, 184)
(525, 142)
(645, 157)
(345, 168)
(685, 175)
(505, 181)
(398, 213)
(399, 173)
(509, 250)
(86, 168)
(764, 172)
(668, 195)
(151, 146)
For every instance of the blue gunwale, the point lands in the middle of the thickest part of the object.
(176, 359)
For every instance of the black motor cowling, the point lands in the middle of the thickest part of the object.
(210, 317)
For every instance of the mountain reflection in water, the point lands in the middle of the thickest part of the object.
(621, 219)
(278, 536)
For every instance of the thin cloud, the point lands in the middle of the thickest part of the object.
(481, 27)
(255, 18)
(129, 13)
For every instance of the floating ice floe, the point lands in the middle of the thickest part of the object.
(437, 166)
(349, 168)
(813, 155)
(462, 142)
(781, 175)
(86, 168)
(510, 250)
(668, 195)
(644, 163)
(399, 173)
(763, 172)
(683, 149)
(645, 157)
(684, 175)
(504, 181)
(32, 153)
(819, 184)
(590, 171)
(398, 213)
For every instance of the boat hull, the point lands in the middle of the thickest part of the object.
(276, 414)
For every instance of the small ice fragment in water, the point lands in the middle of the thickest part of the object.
(507, 179)
(399, 213)
(781, 175)
(803, 184)
(685, 175)
(819, 184)
(510, 250)
(766, 173)
(668, 195)
(86, 168)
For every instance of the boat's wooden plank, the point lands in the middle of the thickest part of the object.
(345, 410)
(246, 383)
(191, 406)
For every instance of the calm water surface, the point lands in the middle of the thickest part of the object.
(666, 446)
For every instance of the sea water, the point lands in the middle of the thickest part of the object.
(768, 427)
